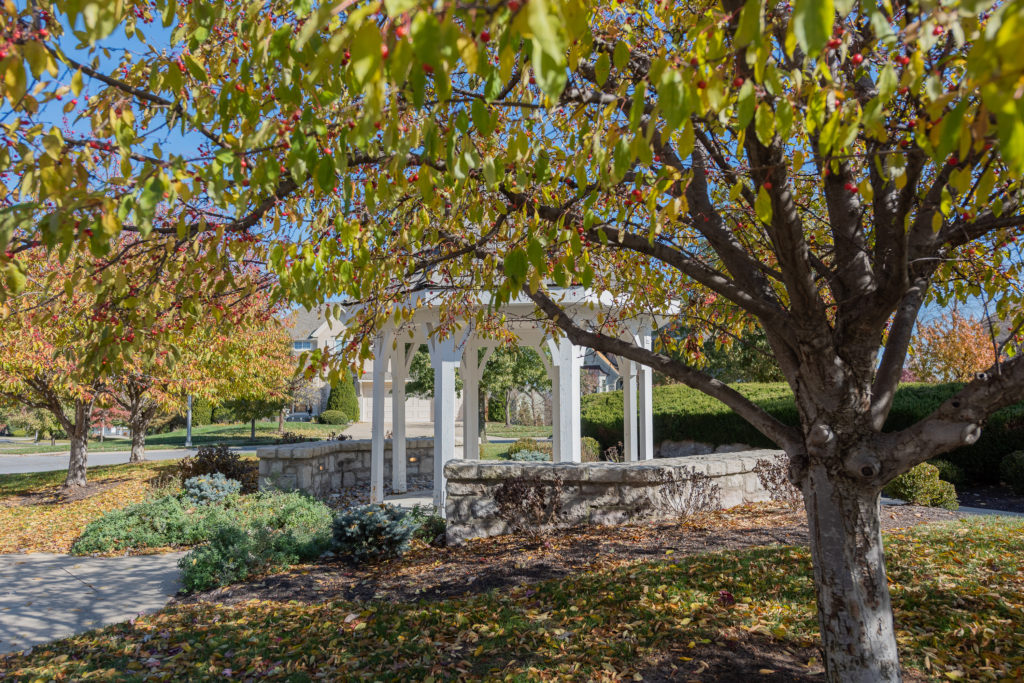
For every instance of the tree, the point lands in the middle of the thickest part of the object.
(825, 169)
(953, 348)
(748, 358)
(343, 397)
(260, 382)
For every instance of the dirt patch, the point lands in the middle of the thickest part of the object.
(58, 495)
(495, 563)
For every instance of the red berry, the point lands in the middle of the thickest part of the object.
(384, 51)
(954, 161)
(850, 187)
(701, 85)
(737, 82)
(637, 195)
(693, 61)
(485, 35)
(767, 185)
(414, 177)
(43, 33)
(857, 58)
(401, 31)
(513, 6)
(429, 69)
(937, 31)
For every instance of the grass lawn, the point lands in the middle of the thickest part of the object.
(517, 431)
(234, 434)
(958, 593)
(34, 519)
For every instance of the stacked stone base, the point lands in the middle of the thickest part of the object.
(599, 492)
(321, 468)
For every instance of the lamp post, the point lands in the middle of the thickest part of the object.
(188, 424)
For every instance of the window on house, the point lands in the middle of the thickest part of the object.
(302, 346)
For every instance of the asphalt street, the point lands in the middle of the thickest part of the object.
(18, 464)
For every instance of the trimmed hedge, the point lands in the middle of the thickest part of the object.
(344, 400)
(682, 414)
(332, 417)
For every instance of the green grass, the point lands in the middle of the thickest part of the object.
(958, 594)
(494, 451)
(498, 429)
(233, 434)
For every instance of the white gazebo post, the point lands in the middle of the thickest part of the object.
(629, 422)
(380, 364)
(400, 360)
(645, 400)
(445, 356)
(473, 364)
(567, 358)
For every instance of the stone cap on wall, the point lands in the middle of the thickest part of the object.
(653, 472)
(315, 449)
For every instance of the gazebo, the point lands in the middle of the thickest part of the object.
(468, 351)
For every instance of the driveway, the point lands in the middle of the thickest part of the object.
(18, 464)
(45, 596)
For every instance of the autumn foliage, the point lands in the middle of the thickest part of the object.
(952, 348)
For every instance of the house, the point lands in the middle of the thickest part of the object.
(310, 330)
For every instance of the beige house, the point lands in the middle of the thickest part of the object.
(310, 330)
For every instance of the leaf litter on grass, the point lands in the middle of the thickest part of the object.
(602, 624)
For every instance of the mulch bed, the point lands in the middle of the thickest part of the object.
(495, 563)
(991, 497)
(58, 494)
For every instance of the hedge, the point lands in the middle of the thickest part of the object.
(684, 414)
(343, 399)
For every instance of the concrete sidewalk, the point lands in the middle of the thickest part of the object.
(46, 596)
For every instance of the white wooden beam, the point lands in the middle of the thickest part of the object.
(380, 364)
(399, 365)
(568, 358)
(445, 357)
(645, 400)
(629, 421)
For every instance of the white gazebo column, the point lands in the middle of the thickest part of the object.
(629, 421)
(380, 364)
(445, 356)
(473, 363)
(399, 371)
(568, 358)
(645, 401)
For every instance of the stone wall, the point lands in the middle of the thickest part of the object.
(321, 468)
(598, 492)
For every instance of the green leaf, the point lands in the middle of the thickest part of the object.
(763, 206)
(516, 266)
(601, 68)
(764, 123)
(365, 51)
(812, 24)
(746, 100)
(195, 68)
(481, 117)
(751, 24)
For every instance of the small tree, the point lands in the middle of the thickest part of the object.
(952, 348)
(343, 398)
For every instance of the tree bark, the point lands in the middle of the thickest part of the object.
(79, 456)
(280, 421)
(252, 432)
(854, 609)
(487, 413)
(139, 428)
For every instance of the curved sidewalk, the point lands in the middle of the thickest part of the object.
(44, 596)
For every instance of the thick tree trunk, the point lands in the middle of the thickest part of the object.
(138, 445)
(854, 610)
(79, 454)
(508, 409)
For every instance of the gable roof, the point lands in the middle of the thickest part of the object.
(302, 323)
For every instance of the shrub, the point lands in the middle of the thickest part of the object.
(496, 411)
(590, 449)
(1011, 469)
(210, 488)
(333, 417)
(695, 495)
(220, 459)
(156, 523)
(370, 533)
(344, 400)
(530, 456)
(429, 525)
(202, 412)
(922, 486)
(529, 506)
(774, 477)
(681, 414)
(527, 444)
(271, 531)
(954, 474)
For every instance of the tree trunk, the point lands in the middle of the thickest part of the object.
(79, 454)
(35, 439)
(487, 413)
(508, 408)
(252, 433)
(139, 428)
(280, 421)
(854, 611)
